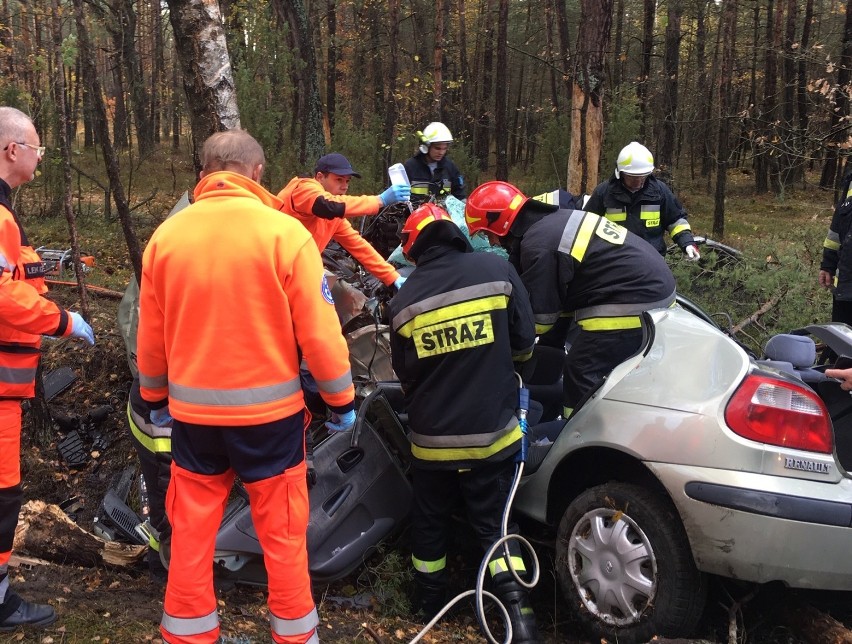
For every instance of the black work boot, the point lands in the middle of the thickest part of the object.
(517, 602)
(15, 612)
(430, 595)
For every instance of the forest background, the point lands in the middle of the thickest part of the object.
(543, 94)
(746, 105)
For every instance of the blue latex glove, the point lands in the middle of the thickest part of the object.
(161, 417)
(80, 328)
(399, 281)
(342, 423)
(395, 194)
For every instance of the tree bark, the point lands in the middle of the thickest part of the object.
(333, 60)
(501, 95)
(643, 90)
(45, 531)
(438, 61)
(587, 98)
(671, 64)
(840, 108)
(65, 154)
(728, 28)
(90, 76)
(207, 79)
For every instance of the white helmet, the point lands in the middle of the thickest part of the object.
(435, 132)
(634, 159)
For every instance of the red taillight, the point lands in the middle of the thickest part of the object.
(777, 412)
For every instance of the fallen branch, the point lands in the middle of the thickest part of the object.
(97, 290)
(754, 317)
(45, 531)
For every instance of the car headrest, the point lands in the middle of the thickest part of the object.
(800, 350)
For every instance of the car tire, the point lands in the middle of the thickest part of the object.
(625, 566)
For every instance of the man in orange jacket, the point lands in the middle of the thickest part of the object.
(218, 357)
(24, 317)
(322, 205)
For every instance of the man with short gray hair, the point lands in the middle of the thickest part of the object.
(24, 317)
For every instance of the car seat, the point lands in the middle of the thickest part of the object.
(793, 354)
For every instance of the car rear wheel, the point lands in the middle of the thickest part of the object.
(625, 566)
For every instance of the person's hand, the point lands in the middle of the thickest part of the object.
(341, 423)
(395, 194)
(161, 417)
(843, 375)
(80, 328)
(826, 279)
(692, 253)
(399, 281)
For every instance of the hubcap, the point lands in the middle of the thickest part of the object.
(613, 566)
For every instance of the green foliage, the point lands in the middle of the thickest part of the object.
(388, 574)
(622, 127)
(777, 272)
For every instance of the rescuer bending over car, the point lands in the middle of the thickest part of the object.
(576, 263)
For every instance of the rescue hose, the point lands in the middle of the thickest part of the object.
(503, 541)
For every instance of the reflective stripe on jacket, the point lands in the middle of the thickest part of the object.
(600, 271)
(457, 324)
(25, 314)
(220, 338)
(648, 212)
(445, 180)
(300, 196)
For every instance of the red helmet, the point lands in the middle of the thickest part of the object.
(417, 221)
(493, 206)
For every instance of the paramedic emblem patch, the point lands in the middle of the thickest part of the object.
(326, 291)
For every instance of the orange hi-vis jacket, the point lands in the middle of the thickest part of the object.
(24, 314)
(301, 197)
(231, 291)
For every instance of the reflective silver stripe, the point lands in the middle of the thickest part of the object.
(153, 382)
(618, 310)
(4, 585)
(833, 236)
(646, 211)
(337, 385)
(450, 297)
(570, 231)
(466, 440)
(299, 626)
(190, 625)
(682, 222)
(149, 429)
(544, 319)
(233, 397)
(313, 639)
(17, 376)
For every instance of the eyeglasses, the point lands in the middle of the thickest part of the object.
(40, 149)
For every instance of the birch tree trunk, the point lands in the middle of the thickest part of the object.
(207, 78)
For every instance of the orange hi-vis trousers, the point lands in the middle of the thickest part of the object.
(279, 507)
(10, 477)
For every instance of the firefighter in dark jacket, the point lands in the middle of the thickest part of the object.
(459, 323)
(430, 170)
(835, 271)
(643, 204)
(577, 263)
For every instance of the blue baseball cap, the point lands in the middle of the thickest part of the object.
(336, 163)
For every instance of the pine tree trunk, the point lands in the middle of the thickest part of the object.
(587, 96)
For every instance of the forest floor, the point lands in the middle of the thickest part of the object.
(118, 604)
